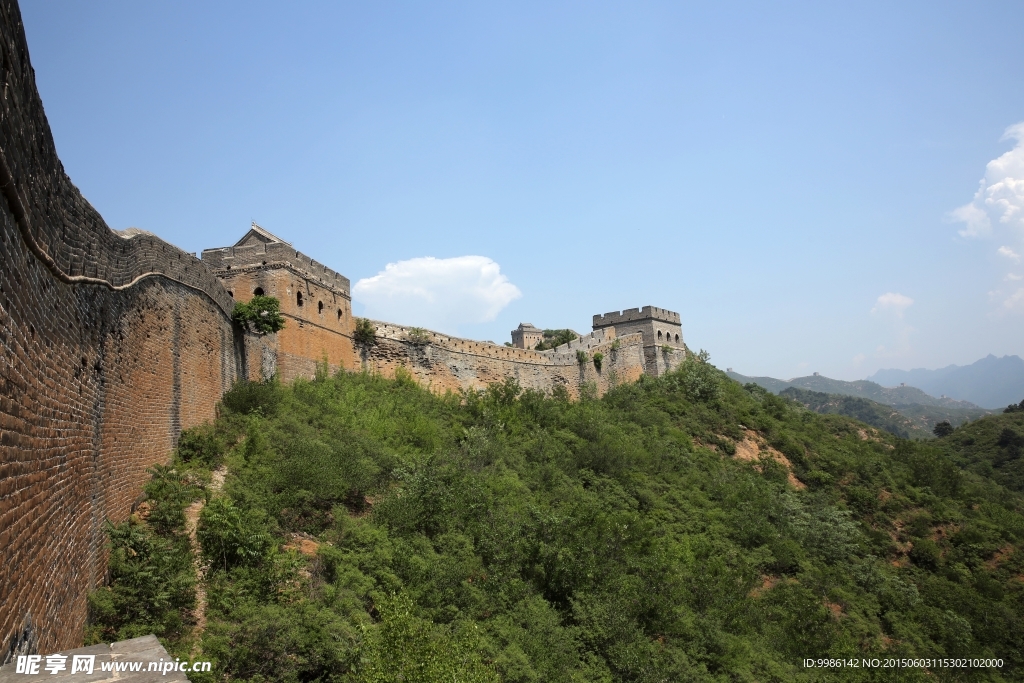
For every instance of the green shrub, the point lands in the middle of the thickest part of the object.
(168, 493)
(925, 553)
(555, 338)
(581, 356)
(203, 445)
(365, 333)
(404, 647)
(598, 359)
(261, 314)
(698, 378)
(418, 336)
(230, 536)
(151, 589)
(253, 397)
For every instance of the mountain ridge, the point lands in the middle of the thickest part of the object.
(862, 388)
(990, 382)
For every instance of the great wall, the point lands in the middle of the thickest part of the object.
(114, 342)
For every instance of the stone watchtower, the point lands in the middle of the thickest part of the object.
(526, 336)
(315, 301)
(662, 334)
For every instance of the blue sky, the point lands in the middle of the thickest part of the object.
(798, 180)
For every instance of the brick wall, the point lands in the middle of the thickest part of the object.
(109, 347)
(321, 327)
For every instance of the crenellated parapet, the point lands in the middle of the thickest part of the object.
(633, 315)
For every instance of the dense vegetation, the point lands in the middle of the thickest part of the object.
(555, 338)
(371, 531)
(868, 412)
(991, 447)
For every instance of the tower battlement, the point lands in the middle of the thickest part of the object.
(661, 330)
(636, 315)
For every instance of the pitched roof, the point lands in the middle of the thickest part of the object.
(256, 233)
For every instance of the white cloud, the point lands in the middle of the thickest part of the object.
(859, 358)
(1015, 302)
(439, 294)
(1009, 253)
(1000, 195)
(1010, 277)
(891, 301)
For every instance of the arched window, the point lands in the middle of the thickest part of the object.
(659, 335)
(320, 307)
(339, 314)
(231, 294)
(258, 291)
(677, 339)
(298, 298)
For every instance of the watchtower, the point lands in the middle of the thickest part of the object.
(661, 329)
(315, 300)
(526, 336)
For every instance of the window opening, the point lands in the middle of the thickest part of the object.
(298, 298)
(258, 291)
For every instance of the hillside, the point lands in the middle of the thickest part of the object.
(990, 382)
(682, 528)
(991, 447)
(869, 412)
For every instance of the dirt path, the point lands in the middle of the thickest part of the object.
(191, 522)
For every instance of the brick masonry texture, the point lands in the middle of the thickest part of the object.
(112, 343)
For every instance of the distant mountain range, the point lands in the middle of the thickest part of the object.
(991, 382)
(862, 388)
(902, 410)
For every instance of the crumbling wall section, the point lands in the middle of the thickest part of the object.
(443, 362)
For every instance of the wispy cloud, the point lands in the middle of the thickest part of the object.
(1008, 253)
(892, 302)
(440, 294)
(1015, 302)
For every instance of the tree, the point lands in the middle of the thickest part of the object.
(365, 333)
(943, 428)
(699, 378)
(555, 338)
(261, 314)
